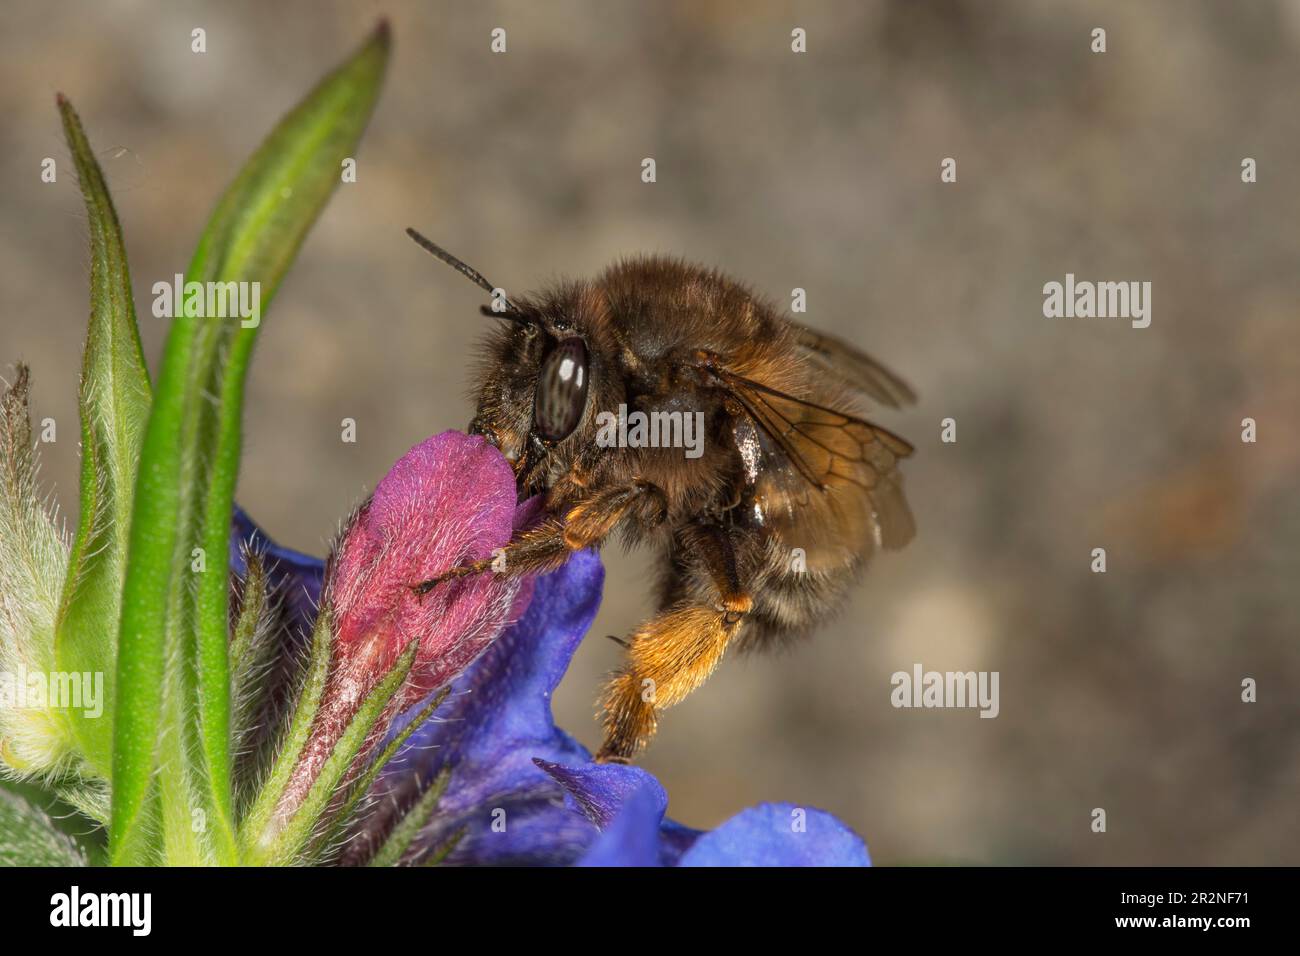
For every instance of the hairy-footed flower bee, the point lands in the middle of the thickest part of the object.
(762, 526)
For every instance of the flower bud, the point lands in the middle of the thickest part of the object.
(449, 501)
(34, 734)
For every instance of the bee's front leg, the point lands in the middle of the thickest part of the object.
(675, 652)
(541, 548)
(548, 545)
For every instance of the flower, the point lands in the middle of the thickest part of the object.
(448, 501)
(516, 789)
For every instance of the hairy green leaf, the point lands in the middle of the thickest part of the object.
(410, 825)
(114, 403)
(362, 785)
(175, 603)
(258, 818)
(28, 837)
(281, 842)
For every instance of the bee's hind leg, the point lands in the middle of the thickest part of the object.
(675, 652)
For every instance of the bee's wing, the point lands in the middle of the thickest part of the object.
(813, 449)
(853, 368)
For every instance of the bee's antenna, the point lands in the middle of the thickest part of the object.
(468, 272)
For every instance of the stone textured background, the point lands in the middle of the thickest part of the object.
(822, 171)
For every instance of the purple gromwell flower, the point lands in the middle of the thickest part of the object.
(518, 790)
(448, 501)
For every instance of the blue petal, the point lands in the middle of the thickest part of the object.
(779, 834)
(626, 803)
(531, 830)
(495, 722)
(632, 837)
(599, 791)
(498, 716)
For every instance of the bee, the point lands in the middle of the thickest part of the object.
(760, 531)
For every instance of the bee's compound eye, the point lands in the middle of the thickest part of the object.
(561, 390)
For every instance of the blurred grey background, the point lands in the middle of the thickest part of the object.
(821, 171)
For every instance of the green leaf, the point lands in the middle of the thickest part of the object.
(114, 402)
(362, 786)
(245, 640)
(62, 805)
(28, 837)
(409, 827)
(281, 842)
(254, 646)
(185, 489)
(438, 854)
(258, 818)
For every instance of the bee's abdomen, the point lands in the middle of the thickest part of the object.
(791, 599)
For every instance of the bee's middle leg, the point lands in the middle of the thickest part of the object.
(675, 652)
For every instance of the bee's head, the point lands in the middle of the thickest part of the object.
(541, 381)
(538, 375)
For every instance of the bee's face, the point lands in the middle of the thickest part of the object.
(536, 385)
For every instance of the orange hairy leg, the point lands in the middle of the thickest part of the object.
(674, 652)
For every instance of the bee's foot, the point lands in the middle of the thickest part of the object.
(464, 570)
(619, 641)
(608, 756)
(424, 587)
